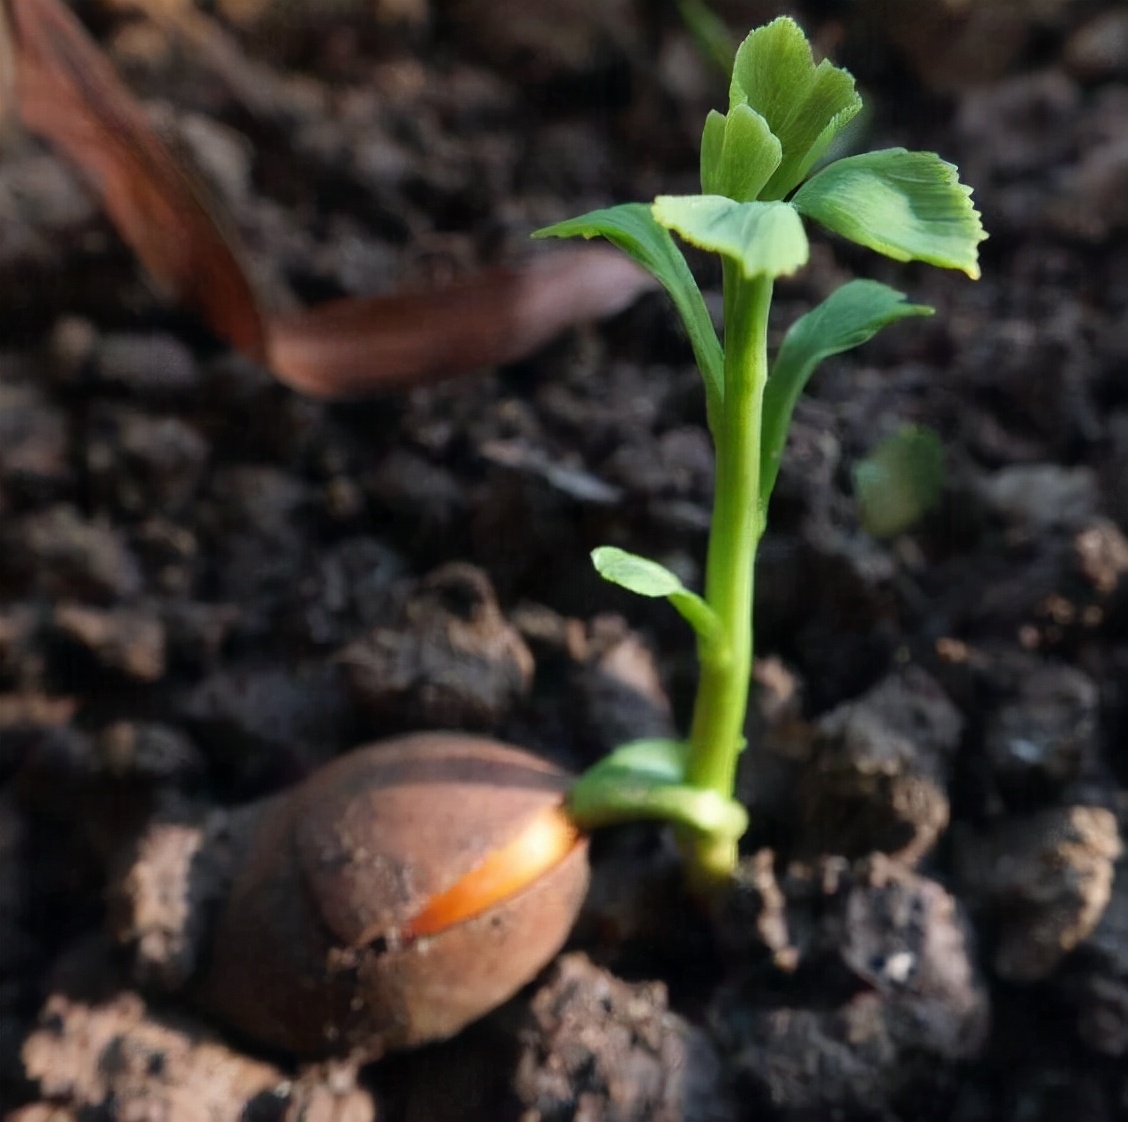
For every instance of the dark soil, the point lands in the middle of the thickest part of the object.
(211, 585)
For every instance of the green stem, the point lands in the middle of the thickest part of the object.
(717, 732)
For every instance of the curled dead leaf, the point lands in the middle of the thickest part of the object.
(349, 347)
(67, 91)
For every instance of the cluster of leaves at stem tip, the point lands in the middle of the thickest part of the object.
(763, 172)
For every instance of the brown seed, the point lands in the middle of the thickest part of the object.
(351, 924)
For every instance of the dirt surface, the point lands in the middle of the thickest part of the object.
(211, 585)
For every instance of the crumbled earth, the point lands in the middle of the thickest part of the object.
(645, 1062)
(889, 951)
(210, 585)
(120, 1059)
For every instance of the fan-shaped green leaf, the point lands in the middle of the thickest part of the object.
(803, 104)
(763, 238)
(738, 154)
(911, 206)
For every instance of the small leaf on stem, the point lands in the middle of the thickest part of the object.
(644, 577)
(850, 316)
(646, 779)
(636, 574)
(632, 228)
(738, 154)
(911, 206)
(763, 238)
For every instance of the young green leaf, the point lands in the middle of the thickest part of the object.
(632, 228)
(765, 239)
(899, 481)
(606, 798)
(647, 578)
(804, 105)
(850, 316)
(738, 154)
(911, 206)
(634, 573)
(658, 758)
(646, 779)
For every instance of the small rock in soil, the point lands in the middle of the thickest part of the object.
(562, 475)
(26, 716)
(149, 750)
(257, 520)
(33, 444)
(1101, 554)
(69, 349)
(877, 777)
(1097, 982)
(98, 790)
(126, 641)
(752, 920)
(261, 726)
(1046, 735)
(1090, 201)
(62, 556)
(1098, 50)
(896, 996)
(603, 1050)
(19, 632)
(620, 694)
(1038, 497)
(350, 590)
(1046, 878)
(597, 686)
(152, 365)
(1023, 124)
(197, 631)
(835, 580)
(143, 463)
(219, 153)
(451, 660)
(42, 205)
(158, 908)
(679, 464)
(423, 500)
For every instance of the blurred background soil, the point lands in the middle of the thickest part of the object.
(211, 584)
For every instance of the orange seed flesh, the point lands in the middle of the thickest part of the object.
(542, 845)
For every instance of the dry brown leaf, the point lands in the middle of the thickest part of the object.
(67, 91)
(349, 347)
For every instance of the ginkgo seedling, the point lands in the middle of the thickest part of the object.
(761, 182)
